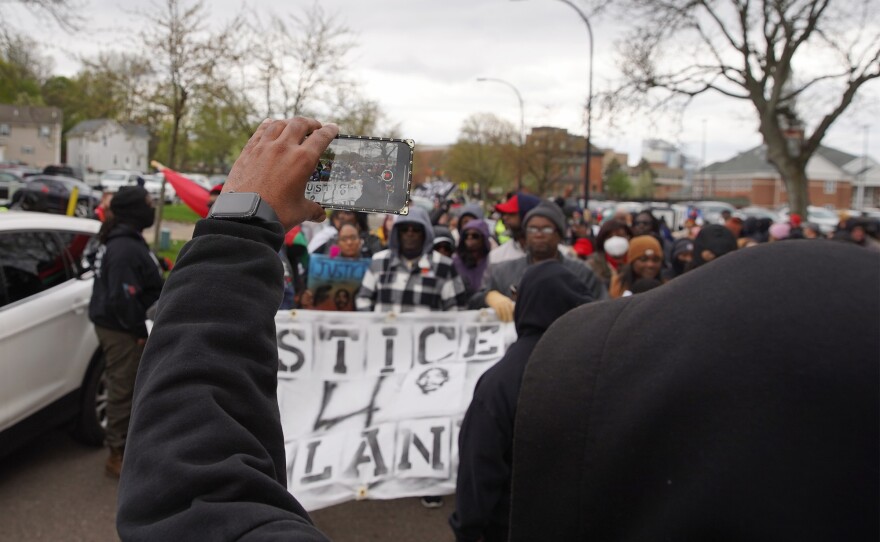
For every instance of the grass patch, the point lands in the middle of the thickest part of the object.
(180, 212)
(172, 251)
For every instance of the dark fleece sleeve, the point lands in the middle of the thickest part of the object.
(205, 454)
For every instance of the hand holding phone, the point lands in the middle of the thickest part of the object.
(359, 173)
(276, 163)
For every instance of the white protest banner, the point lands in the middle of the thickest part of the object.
(371, 403)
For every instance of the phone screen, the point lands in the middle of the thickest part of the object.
(363, 174)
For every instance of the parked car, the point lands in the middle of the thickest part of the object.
(199, 179)
(52, 365)
(51, 194)
(153, 185)
(9, 184)
(114, 179)
(65, 170)
(757, 212)
(826, 219)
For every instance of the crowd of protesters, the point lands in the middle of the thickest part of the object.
(736, 402)
(458, 257)
(618, 254)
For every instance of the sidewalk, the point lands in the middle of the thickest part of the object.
(180, 231)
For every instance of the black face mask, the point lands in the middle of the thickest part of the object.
(140, 217)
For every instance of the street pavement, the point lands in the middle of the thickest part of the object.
(55, 489)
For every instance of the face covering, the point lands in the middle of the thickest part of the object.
(616, 246)
(142, 217)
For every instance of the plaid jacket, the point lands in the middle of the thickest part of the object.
(431, 285)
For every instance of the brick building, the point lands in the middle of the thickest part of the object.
(749, 175)
(560, 157)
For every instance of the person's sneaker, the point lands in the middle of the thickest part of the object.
(114, 462)
(432, 502)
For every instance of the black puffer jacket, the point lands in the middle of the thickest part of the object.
(127, 282)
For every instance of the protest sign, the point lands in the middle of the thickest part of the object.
(335, 281)
(371, 403)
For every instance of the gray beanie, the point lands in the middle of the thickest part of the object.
(551, 212)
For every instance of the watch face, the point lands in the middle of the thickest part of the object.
(235, 205)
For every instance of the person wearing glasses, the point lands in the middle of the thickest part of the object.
(471, 257)
(544, 227)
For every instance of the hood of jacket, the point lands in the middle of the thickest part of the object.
(480, 226)
(416, 215)
(473, 209)
(547, 291)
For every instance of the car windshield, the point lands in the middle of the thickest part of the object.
(114, 177)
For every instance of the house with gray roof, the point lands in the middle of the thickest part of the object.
(30, 135)
(102, 144)
(750, 175)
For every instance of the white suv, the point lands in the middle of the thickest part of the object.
(52, 366)
(114, 179)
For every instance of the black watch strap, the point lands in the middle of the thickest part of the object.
(242, 207)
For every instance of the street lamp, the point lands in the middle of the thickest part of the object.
(589, 101)
(519, 166)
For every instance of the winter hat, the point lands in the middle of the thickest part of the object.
(129, 198)
(442, 235)
(129, 206)
(643, 245)
(716, 239)
(795, 220)
(681, 246)
(780, 231)
(616, 246)
(551, 212)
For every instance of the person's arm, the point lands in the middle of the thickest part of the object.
(205, 453)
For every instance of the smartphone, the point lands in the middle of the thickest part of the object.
(360, 173)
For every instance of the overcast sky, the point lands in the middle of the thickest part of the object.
(420, 59)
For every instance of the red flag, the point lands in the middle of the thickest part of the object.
(194, 195)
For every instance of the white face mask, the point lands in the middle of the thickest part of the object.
(616, 246)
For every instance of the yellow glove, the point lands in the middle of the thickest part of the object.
(501, 304)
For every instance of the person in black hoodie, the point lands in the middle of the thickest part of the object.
(748, 412)
(205, 456)
(127, 282)
(547, 291)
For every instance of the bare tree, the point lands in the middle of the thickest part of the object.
(485, 153)
(799, 63)
(548, 157)
(302, 62)
(188, 60)
(65, 13)
(124, 80)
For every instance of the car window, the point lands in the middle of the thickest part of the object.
(113, 177)
(80, 248)
(30, 262)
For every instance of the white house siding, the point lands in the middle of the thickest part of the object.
(108, 147)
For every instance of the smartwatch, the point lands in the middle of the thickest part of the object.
(242, 207)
